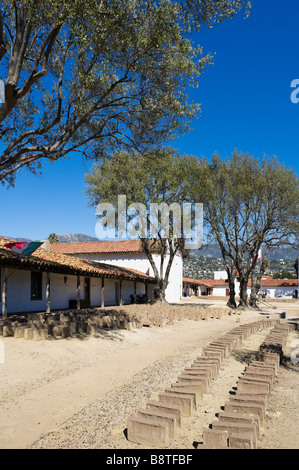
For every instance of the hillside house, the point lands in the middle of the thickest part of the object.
(271, 288)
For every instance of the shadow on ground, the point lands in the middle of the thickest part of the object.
(245, 356)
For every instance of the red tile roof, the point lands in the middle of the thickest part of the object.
(107, 246)
(48, 260)
(206, 282)
(116, 246)
(279, 282)
(267, 281)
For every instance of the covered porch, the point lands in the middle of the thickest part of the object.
(46, 281)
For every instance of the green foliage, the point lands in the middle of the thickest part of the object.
(249, 203)
(284, 275)
(159, 175)
(53, 238)
(155, 176)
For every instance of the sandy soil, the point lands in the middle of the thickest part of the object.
(78, 393)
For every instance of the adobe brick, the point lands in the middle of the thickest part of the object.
(148, 432)
(193, 387)
(204, 373)
(261, 371)
(184, 400)
(201, 383)
(8, 330)
(241, 441)
(233, 428)
(248, 375)
(246, 418)
(209, 358)
(223, 347)
(252, 386)
(207, 361)
(230, 342)
(28, 333)
(213, 438)
(40, 334)
(185, 391)
(168, 408)
(261, 364)
(19, 332)
(235, 339)
(203, 370)
(213, 352)
(167, 418)
(246, 407)
(250, 398)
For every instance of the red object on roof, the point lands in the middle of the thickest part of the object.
(48, 260)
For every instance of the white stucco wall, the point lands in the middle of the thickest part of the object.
(141, 263)
(19, 291)
(219, 291)
(279, 292)
(220, 275)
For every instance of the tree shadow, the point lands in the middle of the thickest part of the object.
(195, 444)
(245, 356)
(289, 363)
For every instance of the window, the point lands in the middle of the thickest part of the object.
(87, 288)
(36, 285)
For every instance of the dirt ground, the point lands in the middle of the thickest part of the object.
(78, 393)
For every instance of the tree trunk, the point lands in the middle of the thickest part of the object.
(159, 292)
(257, 284)
(232, 293)
(172, 246)
(255, 288)
(243, 292)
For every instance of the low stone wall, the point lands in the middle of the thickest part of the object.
(69, 323)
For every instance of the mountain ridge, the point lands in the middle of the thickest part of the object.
(208, 250)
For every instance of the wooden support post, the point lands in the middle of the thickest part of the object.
(135, 292)
(120, 292)
(102, 293)
(48, 308)
(146, 291)
(78, 291)
(4, 294)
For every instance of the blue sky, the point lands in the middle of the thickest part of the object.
(245, 102)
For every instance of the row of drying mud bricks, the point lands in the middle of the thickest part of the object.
(39, 326)
(157, 424)
(63, 325)
(239, 425)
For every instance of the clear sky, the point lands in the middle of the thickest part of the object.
(245, 102)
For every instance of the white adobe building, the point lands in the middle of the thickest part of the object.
(48, 280)
(271, 288)
(127, 254)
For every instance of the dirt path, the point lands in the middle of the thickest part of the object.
(45, 383)
(78, 393)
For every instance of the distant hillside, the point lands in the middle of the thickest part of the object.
(213, 251)
(209, 251)
(76, 237)
(65, 238)
(17, 239)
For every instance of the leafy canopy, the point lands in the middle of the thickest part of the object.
(95, 75)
